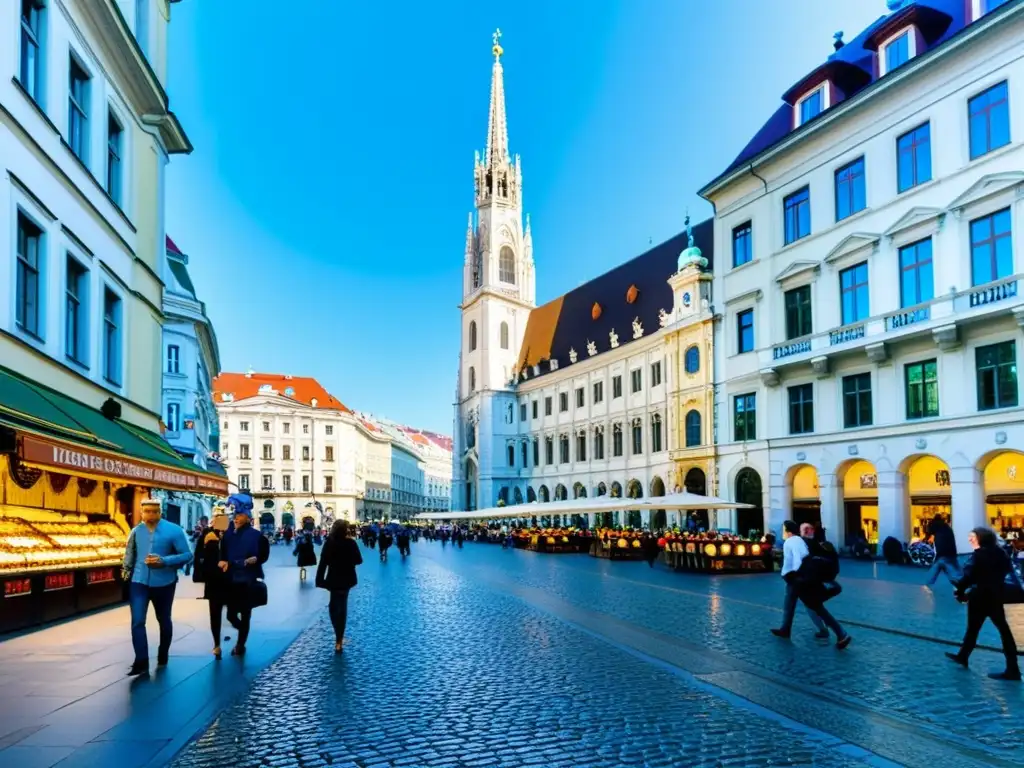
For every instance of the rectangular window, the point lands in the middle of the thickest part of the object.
(243, 482)
(656, 434)
(638, 438)
(547, 406)
(243, 451)
(243, 426)
(111, 337)
(916, 282)
(526, 454)
(914, 158)
(636, 381)
(305, 453)
(535, 409)
(328, 453)
(991, 248)
(286, 482)
(115, 135)
(851, 189)
(305, 483)
(549, 450)
(268, 482)
(305, 429)
(173, 417)
(287, 428)
(511, 451)
(173, 358)
(329, 430)
(616, 387)
(30, 71)
(78, 110)
(30, 240)
(897, 52)
(268, 452)
(811, 106)
(857, 401)
(745, 331)
(798, 312)
(581, 447)
(563, 449)
(922, 389)
(797, 215)
(286, 452)
(536, 452)
(801, 409)
(580, 395)
(656, 374)
(328, 484)
(598, 392)
(997, 375)
(853, 289)
(989, 116)
(598, 445)
(522, 411)
(617, 440)
(266, 426)
(563, 402)
(76, 317)
(744, 409)
(742, 245)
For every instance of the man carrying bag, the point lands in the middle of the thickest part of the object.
(243, 551)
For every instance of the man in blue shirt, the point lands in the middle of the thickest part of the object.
(156, 550)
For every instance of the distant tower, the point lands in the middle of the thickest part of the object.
(498, 292)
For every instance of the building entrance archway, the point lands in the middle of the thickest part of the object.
(634, 490)
(1004, 494)
(659, 520)
(859, 482)
(697, 482)
(749, 491)
(930, 489)
(806, 495)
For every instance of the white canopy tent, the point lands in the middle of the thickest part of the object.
(673, 501)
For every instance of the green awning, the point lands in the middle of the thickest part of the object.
(29, 406)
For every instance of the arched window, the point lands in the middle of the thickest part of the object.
(511, 448)
(504, 335)
(692, 360)
(638, 437)
(507, 266)
(692, 428)
(472, 379)
(472, 335)
(656, 433)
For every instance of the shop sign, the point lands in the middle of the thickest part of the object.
(99, 576)
(869, 480)
(58, 581)
(38, 451)
(190, 424)
(17, 587)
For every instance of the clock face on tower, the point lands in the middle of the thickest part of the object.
(686, 299)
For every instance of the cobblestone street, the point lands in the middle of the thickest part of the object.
(486, 657)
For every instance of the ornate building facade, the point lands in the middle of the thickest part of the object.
(868, 275)
(605, 390)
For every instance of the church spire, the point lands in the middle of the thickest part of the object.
(497, 125)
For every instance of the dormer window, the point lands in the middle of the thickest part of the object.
(812, 105)
(897, 52)
(980, 7)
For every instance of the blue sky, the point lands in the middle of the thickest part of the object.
(324, 208)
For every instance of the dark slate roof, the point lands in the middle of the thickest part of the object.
(180, 272)
(568, 320)
(940, 20)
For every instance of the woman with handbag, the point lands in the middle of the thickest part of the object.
(207, 573)
(243, 550)
(337, 574)
(984, 588)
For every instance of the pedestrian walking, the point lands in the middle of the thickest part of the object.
(945, 552)
(650, 548)
(816, 583)
(156, 549)
(337, 574)
(384, 543)
(794, 550)
(983, 586)
(208, 573)
(304, 552)
(243, 552)
(403, 542)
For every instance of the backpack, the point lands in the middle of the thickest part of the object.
(824, 561)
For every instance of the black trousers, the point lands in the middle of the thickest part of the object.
(338, 609)
(216, 610)
(983, 608)
(239, 613)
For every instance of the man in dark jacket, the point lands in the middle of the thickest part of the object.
(945, 552)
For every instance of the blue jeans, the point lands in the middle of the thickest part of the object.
(139, 598)
(789, 611)
(948, 565)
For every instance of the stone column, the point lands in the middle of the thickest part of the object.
(828, 494)
(893, 507)
(590, 519)
(778, 502)
(645, 518)
(968, 491)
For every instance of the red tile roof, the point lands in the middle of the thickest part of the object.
(171, 246)
(303, 389)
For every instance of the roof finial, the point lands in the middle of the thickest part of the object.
(838, 37)
(689, 230)
(497, 50)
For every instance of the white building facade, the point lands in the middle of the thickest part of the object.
(867, 286)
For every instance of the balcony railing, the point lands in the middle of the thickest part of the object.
(940, 313)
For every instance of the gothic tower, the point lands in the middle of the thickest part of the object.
(498, 292)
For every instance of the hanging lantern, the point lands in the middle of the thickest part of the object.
(631, 294)
(595, 311)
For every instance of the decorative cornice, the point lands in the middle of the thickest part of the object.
(912, 218)
(987, 186)
(851, 244)
(755, 294)
(798, 268)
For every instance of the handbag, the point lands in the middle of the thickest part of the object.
(832, 589)
(257, 593)
(1013, 590)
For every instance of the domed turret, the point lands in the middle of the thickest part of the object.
(692, 255)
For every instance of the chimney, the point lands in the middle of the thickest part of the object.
(838, 44)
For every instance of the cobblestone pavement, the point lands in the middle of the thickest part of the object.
(481, 657)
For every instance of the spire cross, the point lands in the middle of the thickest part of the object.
(497, 50)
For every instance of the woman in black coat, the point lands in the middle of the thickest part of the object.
(305, 552)
(214, 580)
(983, 588)
(337, 574)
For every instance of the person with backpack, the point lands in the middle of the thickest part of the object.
(816, 583)
(794, 551)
